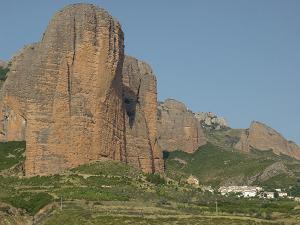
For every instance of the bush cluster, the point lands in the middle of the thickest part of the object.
(155, 179)
(31, 202)
(3, 72)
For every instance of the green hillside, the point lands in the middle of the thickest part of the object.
(108, 192)
(225, 137)
(11, 154)
(214, 165)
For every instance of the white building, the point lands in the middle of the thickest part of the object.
(249, 193)
(269, 194)
(245, 191)
(282, 194)
(259, 189)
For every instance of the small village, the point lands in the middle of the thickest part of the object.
(242, 191)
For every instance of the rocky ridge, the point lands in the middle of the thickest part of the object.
(261, 137)
(211, 120)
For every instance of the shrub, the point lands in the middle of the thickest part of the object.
(91, 194)
(155, 179)
(11, 153)
(31, 202)
(3, 72)
(295, 190)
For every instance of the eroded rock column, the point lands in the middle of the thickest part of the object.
(68, 88)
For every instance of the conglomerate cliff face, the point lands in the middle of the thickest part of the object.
(178, 128)
(261, 137)
(140, 98)
(73, 100)
(64, 93)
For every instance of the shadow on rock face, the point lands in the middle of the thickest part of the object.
(130, 101)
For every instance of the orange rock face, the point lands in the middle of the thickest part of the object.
(67, 98)
(261, 137)
(13, 126)
(140, 97)
(178, 128)
(66, 92)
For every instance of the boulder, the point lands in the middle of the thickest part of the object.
(211, 120)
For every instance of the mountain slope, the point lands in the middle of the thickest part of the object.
(215, 165)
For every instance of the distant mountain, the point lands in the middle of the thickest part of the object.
(181, 129)
(255, 156)
(216, 166)
(262, 137)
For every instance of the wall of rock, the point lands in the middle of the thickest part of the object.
(73, 100)
(178, 128)
(140, 98)
(67, 91)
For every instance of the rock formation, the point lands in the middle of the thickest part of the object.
(67, 91)
(211, 120)
(3, 64)
(13, 125)
(178, 129)
(66, 97)
(261, 137)
(140, 97)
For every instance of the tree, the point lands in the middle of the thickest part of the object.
(3, 72)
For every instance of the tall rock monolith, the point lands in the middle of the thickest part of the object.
(63, 95)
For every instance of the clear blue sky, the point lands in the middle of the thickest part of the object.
(237, 58)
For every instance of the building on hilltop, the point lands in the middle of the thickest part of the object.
(192, 180)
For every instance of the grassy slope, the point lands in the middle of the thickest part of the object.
(11, 153)
(110, 192)
(223, 138)
(74, 217)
